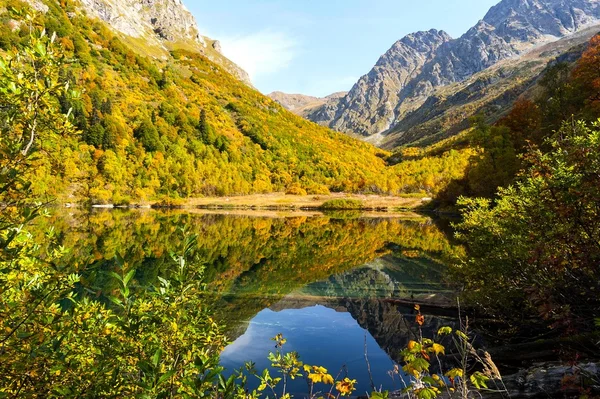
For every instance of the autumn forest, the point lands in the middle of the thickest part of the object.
(498, 257)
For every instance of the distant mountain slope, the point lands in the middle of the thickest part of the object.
(161, 25)
(413, 70)
(293, 102)
(301, 104)
(178, 126)
(369, 104)
(490, 92)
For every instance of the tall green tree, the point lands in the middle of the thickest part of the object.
(148, 135)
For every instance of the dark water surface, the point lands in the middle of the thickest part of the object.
(333, 285)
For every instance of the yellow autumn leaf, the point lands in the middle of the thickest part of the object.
(437, 349)
(455, 373)
(345, 387)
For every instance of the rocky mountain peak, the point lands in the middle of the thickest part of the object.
(168, 19)
(525, 20)
(366, 106)
(423, 39)
(408, 74)
(161, 23)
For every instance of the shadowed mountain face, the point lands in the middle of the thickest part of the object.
(428, 64)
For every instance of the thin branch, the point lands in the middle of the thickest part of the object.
(369, 364)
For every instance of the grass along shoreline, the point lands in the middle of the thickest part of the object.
(285, 202)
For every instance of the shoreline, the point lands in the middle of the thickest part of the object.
(277, 202)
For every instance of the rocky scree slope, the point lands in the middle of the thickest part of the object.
(162, 25)
(491, 93)
(418, 65)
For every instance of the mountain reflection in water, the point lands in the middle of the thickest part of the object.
(329, 323)
(325, 282)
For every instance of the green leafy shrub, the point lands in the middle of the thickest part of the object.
(343, 205)
(422, 361)
(544, 232)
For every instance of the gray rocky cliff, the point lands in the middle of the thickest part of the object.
(161, 23)
(373, 98)
(415, 67)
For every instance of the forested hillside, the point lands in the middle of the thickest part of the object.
(179, 127)
(154, 129)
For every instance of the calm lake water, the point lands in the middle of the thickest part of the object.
(336, 286)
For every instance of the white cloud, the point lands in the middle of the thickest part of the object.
(260, 53)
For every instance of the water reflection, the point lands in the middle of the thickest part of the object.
(328, 321)
(324, 281)
(322, 336)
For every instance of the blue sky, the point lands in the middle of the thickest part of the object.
(318, 47)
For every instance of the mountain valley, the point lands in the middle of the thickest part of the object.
(427, 85)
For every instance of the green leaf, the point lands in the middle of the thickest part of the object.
(115, 300)
(41, 49)
(157, 356)
(429, 380)
(128, 277)
(116, 276)
(427, 393)
(462, 335)
(479, 380)
(166, 376)
(445, 331)
(420, 364)
(119, 260)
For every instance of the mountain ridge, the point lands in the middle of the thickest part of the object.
(162, 24)
(401, 82)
